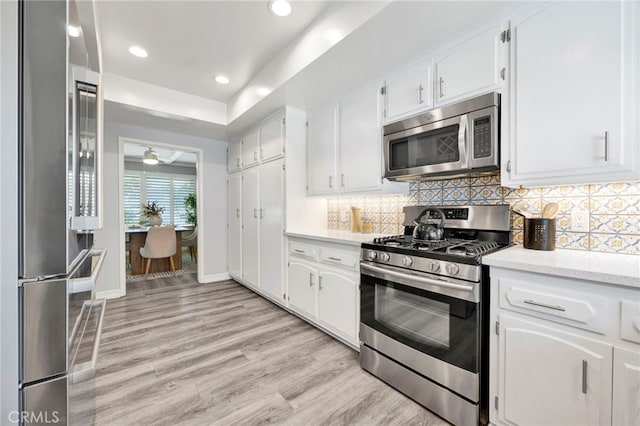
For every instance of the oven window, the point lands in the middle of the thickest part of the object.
(441, 326)
(438, 146)
(415, 317)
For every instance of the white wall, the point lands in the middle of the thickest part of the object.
(8, 210)
(214, 202)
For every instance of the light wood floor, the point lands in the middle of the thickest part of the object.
(175, 352)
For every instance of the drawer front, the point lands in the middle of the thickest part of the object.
(303, 250)
(339, 258)
(576, 309)
(630, 321)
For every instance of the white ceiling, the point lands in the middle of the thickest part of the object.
(189, 42)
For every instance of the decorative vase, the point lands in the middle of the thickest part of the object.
(155, 220)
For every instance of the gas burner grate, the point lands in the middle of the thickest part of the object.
(473, 248)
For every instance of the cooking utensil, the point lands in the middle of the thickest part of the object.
(428, 227)
(550, 211)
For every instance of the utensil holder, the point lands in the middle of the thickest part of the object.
(540, 234)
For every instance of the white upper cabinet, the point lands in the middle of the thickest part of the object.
(272, 137)
(409, 91)
(251, 148)
(360, 141)
(321, 151)
(574, 95)
(234, 155)
(471, 68)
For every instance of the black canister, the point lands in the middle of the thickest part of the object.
(540, 234)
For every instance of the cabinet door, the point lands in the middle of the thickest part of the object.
(321, 151)
(272, 137)
(548, 377)
(234, 213)
(359, 143)
(234, 155)
(271, 228)
(250, 148)
(574, 66)
(302, 291)
(250, 229)
(337, 301)
(409, 91)
(470, 68)
(626, 387)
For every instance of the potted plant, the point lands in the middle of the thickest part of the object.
(152, 211)
(190, 208)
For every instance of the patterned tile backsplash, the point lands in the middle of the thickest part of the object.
(614, 209)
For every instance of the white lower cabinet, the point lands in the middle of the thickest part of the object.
(626, 392)
(302, 293)
(271, 219)
(562, 351)
(325, 292)
(234, 212)
(549, 377)
(250, 226)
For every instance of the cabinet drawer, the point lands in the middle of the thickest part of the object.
(576, 309)
(630, 321)
(339, 258)
(302, 250)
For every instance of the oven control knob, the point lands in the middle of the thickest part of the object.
(434, 267)
(407, 261)
(452, 269)
(384, 257)
(373, 255)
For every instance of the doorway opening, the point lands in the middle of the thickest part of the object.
(160, 185)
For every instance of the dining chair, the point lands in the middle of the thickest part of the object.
(191, 241)
(160, 244)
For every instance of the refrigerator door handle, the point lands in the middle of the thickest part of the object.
(87, 370)
(82, 284)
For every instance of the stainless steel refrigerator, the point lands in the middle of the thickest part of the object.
(60, 128)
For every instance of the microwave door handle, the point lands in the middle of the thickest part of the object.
(463, 141)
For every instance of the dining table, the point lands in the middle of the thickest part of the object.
(137, 237)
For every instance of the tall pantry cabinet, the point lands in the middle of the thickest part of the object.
(256, 212)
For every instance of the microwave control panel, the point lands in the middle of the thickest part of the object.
(482, 137)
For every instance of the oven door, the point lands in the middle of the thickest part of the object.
(430, 318)
(435, 148)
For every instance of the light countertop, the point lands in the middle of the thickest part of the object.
(332, 236)
(618, 269)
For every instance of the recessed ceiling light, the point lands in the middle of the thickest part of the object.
(138, 51)
(73, 31)
(263, 91)
(222, 79)
(280, 7)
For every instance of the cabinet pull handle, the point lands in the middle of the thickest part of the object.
(320, 282)
(261, 213)
(237, 212)
(584, 376)
(441, 87)
(544, 305)
(255, 213)
(237, 162)
(261, 153)
(337, 259)
(330, 181)
(310, 279)
(255, 155)
(342, 179)
(420, 89)
(509, 166)
(606, 146)
(299, 251)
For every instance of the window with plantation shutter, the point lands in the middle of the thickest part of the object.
(168, 190)
(132, 199)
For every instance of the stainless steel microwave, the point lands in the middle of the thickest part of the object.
(456, 140)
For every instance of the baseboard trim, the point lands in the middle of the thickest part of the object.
(214, 278)
(109, 294)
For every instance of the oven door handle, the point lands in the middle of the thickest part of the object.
(417, 278)
(87, 370)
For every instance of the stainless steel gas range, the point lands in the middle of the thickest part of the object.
(424, 307)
